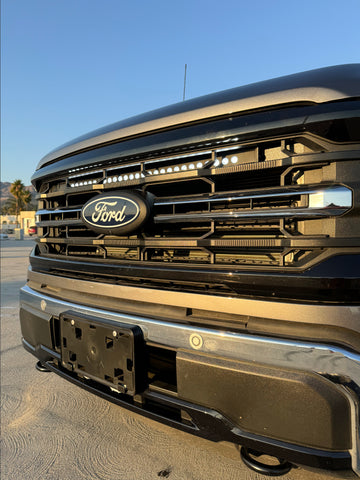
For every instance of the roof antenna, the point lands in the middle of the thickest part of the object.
(184, 81)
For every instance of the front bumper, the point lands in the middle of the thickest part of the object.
(207, 361)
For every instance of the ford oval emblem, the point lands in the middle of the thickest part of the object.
(115, 213)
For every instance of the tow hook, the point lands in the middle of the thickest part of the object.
(281, 468)
(42, 367)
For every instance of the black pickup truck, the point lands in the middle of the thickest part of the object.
(200, 264)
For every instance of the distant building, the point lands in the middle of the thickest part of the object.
(7, 219)
(26, 220)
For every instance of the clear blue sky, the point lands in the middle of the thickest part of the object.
(70, 66)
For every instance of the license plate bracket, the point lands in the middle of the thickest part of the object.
(103, 350)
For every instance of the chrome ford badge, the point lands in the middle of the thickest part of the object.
(115, 213)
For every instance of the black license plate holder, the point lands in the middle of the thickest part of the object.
(103, 350)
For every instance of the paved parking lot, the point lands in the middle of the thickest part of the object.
(52, 429)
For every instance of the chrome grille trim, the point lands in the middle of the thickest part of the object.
(335, 191)
(250, 215)
(315, 202)
(57, 210)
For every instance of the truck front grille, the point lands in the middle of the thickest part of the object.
(269, 204)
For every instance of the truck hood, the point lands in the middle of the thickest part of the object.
(315, 86)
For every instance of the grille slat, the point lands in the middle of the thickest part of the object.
(59, 223)
(250, 215)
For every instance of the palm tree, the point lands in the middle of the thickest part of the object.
(9, 207)
(22, 196)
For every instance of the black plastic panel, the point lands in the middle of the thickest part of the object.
(109, 352)
(287, 405)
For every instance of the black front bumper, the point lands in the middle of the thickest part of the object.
(206, 423)
(224, 385)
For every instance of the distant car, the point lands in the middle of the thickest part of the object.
(7, 230)
(3, 236)
(32, 230)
